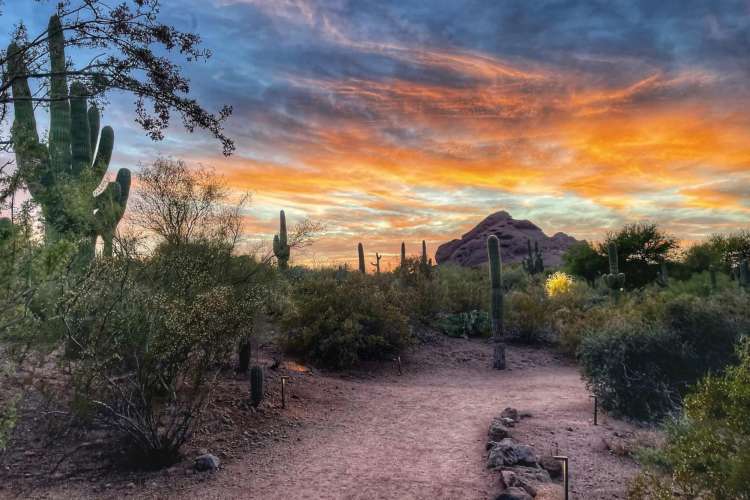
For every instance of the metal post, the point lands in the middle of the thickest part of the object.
(564, 461)
(283, 391)
(596, 409)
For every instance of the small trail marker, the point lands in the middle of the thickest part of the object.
(283, 391)
(564, 461)
(596, 409)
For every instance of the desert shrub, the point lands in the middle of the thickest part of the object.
(339, 321)
(642, 361)
(146, 354)
(466, 324)
(707, 450)
(558, 284)
(582, 259)
(463, 289)
(526, 313)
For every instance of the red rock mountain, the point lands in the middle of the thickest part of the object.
(471, 249)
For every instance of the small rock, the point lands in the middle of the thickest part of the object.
(512, 479)
(508, 452)
(498, 431)
(554, 467)
(514, 493)
(510, 413)
(508, 422)
(206, 462)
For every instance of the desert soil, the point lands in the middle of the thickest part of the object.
(380, 435)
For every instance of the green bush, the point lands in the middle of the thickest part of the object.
(465, 324)
(339, 321)
(707, 451)
(641, 362)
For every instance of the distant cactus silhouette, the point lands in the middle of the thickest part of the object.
(403, 256)
(361, 252)
(615, 280)
(63, 174)
(533, 264)
(425, 265)
(280, 245)
(376, 264)
(496, 301)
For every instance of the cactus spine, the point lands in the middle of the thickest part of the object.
(256, 385)
(280, 244)
(615, 280)
(376, 264)
(496, 302)
(361, 252)
(63, 174)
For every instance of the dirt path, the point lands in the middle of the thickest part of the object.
(422, 435)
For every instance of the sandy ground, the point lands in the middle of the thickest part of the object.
(421, 435)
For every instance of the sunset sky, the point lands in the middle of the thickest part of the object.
(403, 120)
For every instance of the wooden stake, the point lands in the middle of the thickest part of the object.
(564, 461)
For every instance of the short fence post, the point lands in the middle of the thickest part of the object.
(283, 391)
(564, 461)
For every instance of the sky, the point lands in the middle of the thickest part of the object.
(399, 120)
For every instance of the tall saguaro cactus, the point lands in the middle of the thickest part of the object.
(361, 252)
(615, 280)
(403, 256)
(280, 243)
(63, 174)
(496, 301)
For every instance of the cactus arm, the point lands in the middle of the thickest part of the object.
(103, 152)
(59, 133)
(80, 132)
(110, 206)
(94, 120)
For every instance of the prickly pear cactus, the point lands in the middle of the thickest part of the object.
(280, 244)
(63, 174)
(256, 385)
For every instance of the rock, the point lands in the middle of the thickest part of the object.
(510, 414)
(532, 474)
(471, 249)
(498, 431)
(206, 462)
(511, 479)
(508, 422)
(508, 452)
(514, 493)
(554, 467)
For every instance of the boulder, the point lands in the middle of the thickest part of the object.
(498, 431)
(532, 474)
(552, 466)
(511, 479)
(471, 249)
(206, 462)
(507, 452)
(514, 493)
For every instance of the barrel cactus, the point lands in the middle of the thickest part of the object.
(496, 302)
(256, 385)
(280, 244)
(615, 280)
(63, 174)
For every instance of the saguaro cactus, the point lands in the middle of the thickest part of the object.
(361, 252)
(533, 263)
(615, 280)
(256, 385)
(63, 174)
(663, 277)
(424, 265)
(403, 256)
(744, 274)
(496, 302)
(376, 264)
(280, 245)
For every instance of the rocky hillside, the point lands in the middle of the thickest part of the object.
(471, 249)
